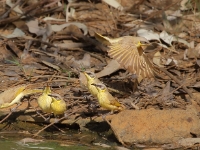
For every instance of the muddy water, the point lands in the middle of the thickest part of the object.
(19, 136)
(47, 145)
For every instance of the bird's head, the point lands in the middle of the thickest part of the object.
(54, 99)
(89, 75)
(47, 90)
(139, 44)
(100, 87)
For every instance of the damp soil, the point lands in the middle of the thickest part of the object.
(18, 135)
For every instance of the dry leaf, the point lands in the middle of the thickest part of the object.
(82, 26)
(157, 59)
(148, 34)
(112, 66)
(51, 18)
(171, 61)
(69, 44)
(102, 145)
(16, 8)
(51, 65)
(16, 33)
(184, 5)
(196, 85)
(82, 63)
(83, 80)
(28, 140)
(33, 26)
(166, 92)
(114, 4)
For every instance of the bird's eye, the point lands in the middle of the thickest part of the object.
(143, 43)
(103, 88)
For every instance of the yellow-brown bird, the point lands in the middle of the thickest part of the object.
(44, 101)
(14, 95)
(128, 52)
(92, 79)
(106, 100)
(58, 107)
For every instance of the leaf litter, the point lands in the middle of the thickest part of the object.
(53, 43)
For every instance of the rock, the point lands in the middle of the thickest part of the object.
(155, 126)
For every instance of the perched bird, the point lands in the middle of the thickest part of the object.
(15, 94)
(58, 107)
(106, 100)
(44, 101)
(92, 79)
(128, 52)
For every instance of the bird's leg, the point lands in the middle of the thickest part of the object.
(48, 118)
(92, 107)
(109, 113)
(87, 97)
(104, 117)
(135, 85)
(56, 120)
(45, 119)
(65, 115)
(29, 104)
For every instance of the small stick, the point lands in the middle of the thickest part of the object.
(177, 81)
(11, 111)
(36, 134)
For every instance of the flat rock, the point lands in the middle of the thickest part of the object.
(155, 126)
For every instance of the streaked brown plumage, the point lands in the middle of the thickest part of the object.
(106, 100)
(128, 52)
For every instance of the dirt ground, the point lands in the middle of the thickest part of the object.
(52, 42)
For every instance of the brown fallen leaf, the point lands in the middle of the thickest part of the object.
(51, 65)
(29, 140)
(112, 66)
(82, 63)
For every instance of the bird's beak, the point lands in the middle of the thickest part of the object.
(139, 44)
(81, 71)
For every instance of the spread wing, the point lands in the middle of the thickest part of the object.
(131, 57)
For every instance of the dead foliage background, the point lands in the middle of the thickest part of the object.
(49, 42)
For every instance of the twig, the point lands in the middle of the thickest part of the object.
(46, 118)
(117, 91)
(162, 96)
(74, 4)
(9, 10)
(11, 111)
(177, 81)
(98, 57)
(36, 134)
(43, 42)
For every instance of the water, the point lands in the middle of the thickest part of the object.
(47, 145)
(19, 136)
